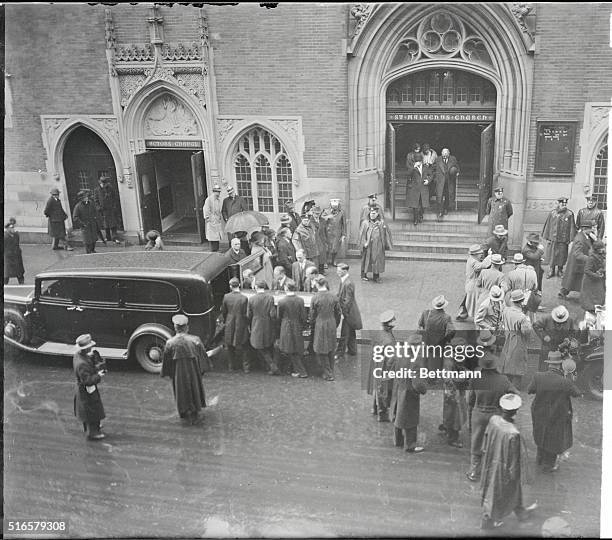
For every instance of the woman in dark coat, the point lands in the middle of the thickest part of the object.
(374, 239)
(593, 290)
(85, 217)
(13, 260)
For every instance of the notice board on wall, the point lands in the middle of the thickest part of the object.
(555, 145)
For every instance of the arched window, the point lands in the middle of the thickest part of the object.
(264, 175)
(600, 177)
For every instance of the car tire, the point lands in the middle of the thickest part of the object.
(592, 380)
(15, 326)
(148, 351)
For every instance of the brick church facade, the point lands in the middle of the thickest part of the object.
(303, 101)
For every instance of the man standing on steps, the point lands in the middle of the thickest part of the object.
(365, 209)
(417, 190)
(592, 213)
(232, 204)
(559, 230)
(446, 172)
(499, 209)
(213, 218)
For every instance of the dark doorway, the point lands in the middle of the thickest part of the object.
(86, 158)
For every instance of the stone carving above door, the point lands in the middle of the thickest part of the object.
(169, 116)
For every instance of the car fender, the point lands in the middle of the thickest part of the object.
(149, 328)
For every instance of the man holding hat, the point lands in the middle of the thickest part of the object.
(236, 327)
(261, 313)
(184, 359)
(56, 218)
(89, 369)
(499, 209)
(232, 204)
(382, 388)
(85, 217)
(533, 252)
(372, 203)
(594, 214)
(552, 329)
(213, 218)
(559, 230)
(551, 412)
(490, 311)
(517, 328)
(581, 248)
(504, 467)
(473, 266)
(438, 329)
(498, 243)
(335, 228)
(351, 316)
(491, 277)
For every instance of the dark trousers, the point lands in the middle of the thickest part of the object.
(448, 193)
(235, 357)
(480, 420)
(267, 356)
(111, 233)
(363, 262)
(452, 435)
(405, 437)
(545, 458)
(20, 280)
(348, 339)
(297, 364)
(91, 428)
(326, 360)
(91, 247)
(214, 245)
(56, 242)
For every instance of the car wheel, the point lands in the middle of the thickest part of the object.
(15, 326)
(592, 377)
(149, 352)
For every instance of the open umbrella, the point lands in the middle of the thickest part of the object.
(245, 221)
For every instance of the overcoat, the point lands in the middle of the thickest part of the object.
(551, 410)
(574, 271)
(406, 396)
(472, 271)
(235, 257)
(85, 217)
(533, 257)
(497, 245)
(417, 192)
(488, 278)
(261, 313)
(381, 388)
(377, 236)
(364, 215)
(306, 238)
(523, 277)
(348, 304)
(56, 216)
(293, 319)
(454, 405)
(285, 255)
(321, 237)
(593, 214)
(489, 315)
(213, 219)
(441, 172)
(499, 211)
(13, 259)
(335, 228)
(298, 274)
(593, 290)
(183, 360)
(557, 332)
(438, 327)
(559, 230)
(234, 312)
(87, 407)
(233, 206)
(295, 221)
(517, 327)
(325, 315)
(106, 201)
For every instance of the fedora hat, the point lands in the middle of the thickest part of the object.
(510, 402)
(486, 338)
(560, 314)
(517, 295)
(500, 230)
(180, 320)
(285, 219)
(439, 302)
(518, 258)
(554, 357)
(386, 316)
(216, 188)
(533, 237)
(84, 341)
(496, 293)
(475, 249)
(496, 258)
(55, 191)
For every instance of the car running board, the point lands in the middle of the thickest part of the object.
(64, 349)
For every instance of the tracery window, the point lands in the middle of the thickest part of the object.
(263, 171)
(600, 177)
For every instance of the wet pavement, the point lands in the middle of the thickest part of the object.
(275, 456)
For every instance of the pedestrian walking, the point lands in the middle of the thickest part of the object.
(551, 412)
(235, 253)
(594, 214)
(232, 204)
(483, 400)
(593, 289)
(89, 369)
(298, 269)
(533, 251)
(56, 220)
(504, 469)
(498, 242)
(13, 258)
(213, 218)
(417, 189)
(261, 313)
(429, 161)
(490, 277)
(406, 402)
(454, 405)
(581, 248)
(374, 239)
(559, 230)
(517, 328)
(154, 241)
(285, 250)
(437, 330)
(106, 201)
(184, 361)
(236, 327)
(382, 387)
(372, 203)
(476, 262)
(499, 210)
(351, 316)
(552, 329)
(446, 172)
(325, 314)
(335, 229)
(84, 217)
(293, 319)
(305, 238)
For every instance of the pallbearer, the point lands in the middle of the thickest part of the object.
(292, 315)
(236, 332)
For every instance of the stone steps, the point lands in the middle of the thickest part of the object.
(396, 255)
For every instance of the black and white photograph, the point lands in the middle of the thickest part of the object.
(298, 270)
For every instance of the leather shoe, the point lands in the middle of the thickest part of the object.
(415, 450)
(472, 477)
(96, 437)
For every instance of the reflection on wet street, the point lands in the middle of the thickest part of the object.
(275, 456)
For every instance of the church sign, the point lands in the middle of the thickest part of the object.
(173, 143)
(448, 116)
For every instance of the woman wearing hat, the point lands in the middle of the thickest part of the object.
(552, 329)
(517, 328)
(214, 218)
(473, 266)
(593, 289)
(437, 328)
(154, 241)
(533, 252)
(89, 370)
(56, 216)
(85, 217)
(13, 259)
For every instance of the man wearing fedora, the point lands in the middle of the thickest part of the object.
(490, 312)
(351, 316)
(581, 248)
(475, 263)
(522, 278)
(213, 218)
(499, 209)
(106, 200)
(517, 328)
(56, 220)
(454, 405)
(498, 242)
(483, 399)
(85, 217)
(382, 388)
(232, 204)
(594, 214)
(89, 370)
(504, 467)
(491, 277)
(533, 251)
(364, 215)
(552, 329)
(559, 230)
(437, 329)
(184, 361)
(551, 412)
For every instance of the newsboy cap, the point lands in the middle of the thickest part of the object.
(180, 320)
(386, 316)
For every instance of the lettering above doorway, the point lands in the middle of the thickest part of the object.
(172, 143)
(441, 116)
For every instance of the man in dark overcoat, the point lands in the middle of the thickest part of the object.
(551, 412)
(325, 314)
(335, 228)
(13, 258)
(295, 217)
(364, 214)
(446, 170)
(593, 290)
(285, 250)
(438, 329)
(298, 269)
(321, 237)
(184, 360)
(293, 319)
(533, 252)
(497, 243)
(89, 370)
(106, 201)
(351, 316)
(581, 247)
(518, 330)
(235, 253)
(305, 238)
(552, 328)
(56, 218)
(594, 214)
(231, 205)
(382, 388)
(499, 209)
(85, 217)
(406, 402)
(261, 313)
(559, 230)
(417, 190)
(374, 239)
(236, 331)
(280, 279)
